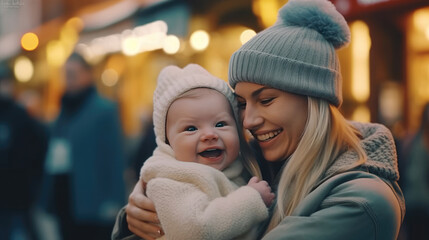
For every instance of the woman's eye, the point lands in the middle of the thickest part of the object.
(267, 101)
(220, 124)
(190, 129)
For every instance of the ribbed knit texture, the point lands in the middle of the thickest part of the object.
(297, 54)
(380, 148)
(174, 81)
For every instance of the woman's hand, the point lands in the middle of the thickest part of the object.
(141, 215)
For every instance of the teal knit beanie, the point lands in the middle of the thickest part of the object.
(296, 54)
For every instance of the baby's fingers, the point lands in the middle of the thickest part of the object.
(254, 180)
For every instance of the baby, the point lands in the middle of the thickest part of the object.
(195, 172)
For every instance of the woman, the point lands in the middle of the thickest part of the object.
(335, 179)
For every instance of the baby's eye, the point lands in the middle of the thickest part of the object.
(190, 129)
(221, 124)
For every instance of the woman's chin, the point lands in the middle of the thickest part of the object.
(272, 158)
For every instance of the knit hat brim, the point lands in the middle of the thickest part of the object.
(310, 80)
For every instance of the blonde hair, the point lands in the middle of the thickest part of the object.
(247, 156)
(327, 134)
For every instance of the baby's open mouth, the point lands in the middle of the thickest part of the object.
(211, 153)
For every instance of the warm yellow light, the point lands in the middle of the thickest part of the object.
(69, 35)
(427, 33)
(200, 40)
(23, 69)
(55, 53)
(76, 23)
(361, 44)
(390, 102)
(421, 19)
(422, 91)
(265, 9)
(29, 41)
(109, 77)
(151, 41)
(246, 35)
(171, 44)
(361, 114)
(130, 46)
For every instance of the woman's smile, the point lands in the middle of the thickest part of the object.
(267, 136)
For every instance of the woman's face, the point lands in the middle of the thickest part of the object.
(275, 118)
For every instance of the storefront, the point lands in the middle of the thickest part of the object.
(390, 68)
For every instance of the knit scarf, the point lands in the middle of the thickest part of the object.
(380, 148)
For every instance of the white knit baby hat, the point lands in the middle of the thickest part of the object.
(174, 81)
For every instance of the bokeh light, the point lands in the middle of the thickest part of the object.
(361, 45)
(130, 46)
(29, 41)
(200, 40)
(56, 53)
(109, 77)
(23, 69)
(171, 44)
(361, 114)
(246, 35)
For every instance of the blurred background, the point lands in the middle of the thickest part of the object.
(126, 43)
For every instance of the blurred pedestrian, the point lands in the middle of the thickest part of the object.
(85, 164)
(23, 146)
(415, 180)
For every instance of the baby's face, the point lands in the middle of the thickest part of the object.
(201, 128)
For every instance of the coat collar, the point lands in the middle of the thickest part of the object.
(378, 143)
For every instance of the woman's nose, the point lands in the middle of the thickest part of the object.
(251, 118)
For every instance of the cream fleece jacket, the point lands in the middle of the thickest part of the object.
(195, 201)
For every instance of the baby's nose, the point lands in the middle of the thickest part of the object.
(209, 134)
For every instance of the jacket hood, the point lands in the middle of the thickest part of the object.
(379, 145)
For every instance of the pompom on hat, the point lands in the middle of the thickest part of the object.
(173, 82)
(296, 54)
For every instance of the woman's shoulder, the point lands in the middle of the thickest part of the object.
(365, 190)
(376, 199)
(353, 205)
(360, 205)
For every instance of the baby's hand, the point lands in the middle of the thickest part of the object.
(263, 189)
